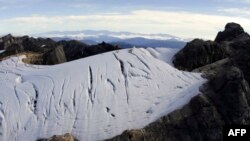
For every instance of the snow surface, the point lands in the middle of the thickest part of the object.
(1, 51)
(164, 54)
(94, 98)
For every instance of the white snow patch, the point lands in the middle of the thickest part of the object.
(94, 98)
(1, 51)
(43, 46)
(164, 54)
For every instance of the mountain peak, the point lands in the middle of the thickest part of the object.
(7, 36)
(233, 31)
(234, 26)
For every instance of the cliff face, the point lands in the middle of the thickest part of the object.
(225, 98)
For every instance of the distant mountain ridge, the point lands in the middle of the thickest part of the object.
(143, 42)
(123, 39)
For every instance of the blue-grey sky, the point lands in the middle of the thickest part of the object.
(183, 18)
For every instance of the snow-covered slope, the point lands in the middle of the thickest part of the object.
(93, 98)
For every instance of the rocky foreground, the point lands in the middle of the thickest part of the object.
(225, 99)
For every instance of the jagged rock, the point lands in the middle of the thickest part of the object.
(214, 68)
(75, 49)
(7, 41)
(101, 48)
(54, 56)
(231, 96)
(231, 42)
(27, 43)
(198, 53)
(241, 57)
(232, 32)
(37, 44)
(14, 48)
(65, 137)
(52, 52)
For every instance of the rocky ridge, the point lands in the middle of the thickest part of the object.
(48, 51)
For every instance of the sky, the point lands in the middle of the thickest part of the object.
(182, 18)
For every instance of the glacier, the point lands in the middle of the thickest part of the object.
(93, 98)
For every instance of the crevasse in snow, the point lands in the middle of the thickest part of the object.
(93, 98)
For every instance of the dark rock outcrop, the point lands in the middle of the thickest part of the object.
(38, 44)
(52, 52)
(14, 48)
(198, 53)
(75, 49)
(54, 56)
(242, 57)
(232, 32)
(26, 43)
(224, 99)
(231, 42)
(101, 48)
(7, 41)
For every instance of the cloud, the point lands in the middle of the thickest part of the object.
(244, 12)
(246, 1)
(80, 5)
(183, 24)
